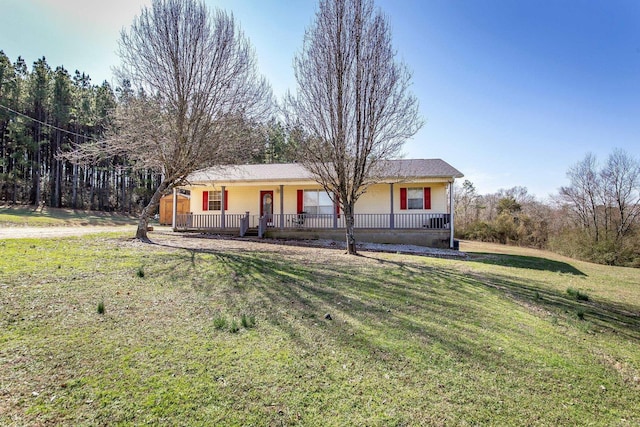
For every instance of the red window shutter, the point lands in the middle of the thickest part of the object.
(403, 198)
(205, 200)
(427, 197)
(226, 200)
(337, 205)
(300, 201)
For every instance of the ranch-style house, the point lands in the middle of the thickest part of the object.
(411, 203)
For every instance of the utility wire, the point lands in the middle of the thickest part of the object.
(46, 124)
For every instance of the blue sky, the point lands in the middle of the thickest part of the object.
(513, 92)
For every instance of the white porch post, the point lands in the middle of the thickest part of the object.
(281, 206)
(222, 200)
(451, 214)
(174, 209)
(392, 222)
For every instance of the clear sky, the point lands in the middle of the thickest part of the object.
(514, 92)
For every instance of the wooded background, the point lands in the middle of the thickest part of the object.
(44, 110)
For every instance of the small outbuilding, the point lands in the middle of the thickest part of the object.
(166, 207)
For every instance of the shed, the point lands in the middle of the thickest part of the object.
(166, 207)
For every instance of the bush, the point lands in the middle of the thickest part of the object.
(579, 296)
(579, 244)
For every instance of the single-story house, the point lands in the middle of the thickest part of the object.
(411, 203)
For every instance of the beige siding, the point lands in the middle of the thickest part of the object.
(377, 198)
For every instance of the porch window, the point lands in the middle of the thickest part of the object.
(415, 198)
(317, 202)
(212, 200)
(215, 200)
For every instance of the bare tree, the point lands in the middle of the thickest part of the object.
(621, 181)
(467, 204)
(584, 194)
(606, 201)
(197, 90)
(352, 101)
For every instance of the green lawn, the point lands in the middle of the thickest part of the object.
(218, 335)
(16, 216)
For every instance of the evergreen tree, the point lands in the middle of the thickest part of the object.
(38, 109)
(61, 113)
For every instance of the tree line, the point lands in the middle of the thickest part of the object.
(596, 217)
(44, 112)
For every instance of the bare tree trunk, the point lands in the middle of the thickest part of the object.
(106, 198)
(37, 179)
(143, 223)
(74, 191)
(57, 177)
(123, 191)
(350, 226)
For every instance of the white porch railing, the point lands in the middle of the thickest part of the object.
(208, 221)
(242, 222)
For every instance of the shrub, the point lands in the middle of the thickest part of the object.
(578, 295)
(140, 272)
(101, 307)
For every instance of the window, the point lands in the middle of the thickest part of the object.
(415, 198)
(317, 202)
(215, 200)
(212, 200)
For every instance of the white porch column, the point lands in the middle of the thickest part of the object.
(222, 201)
(281, 206)
(174, 209)
(451, 214)
(392, 221)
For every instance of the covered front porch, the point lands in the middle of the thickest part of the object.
(428, 229)
(423, 228)
(415, 202)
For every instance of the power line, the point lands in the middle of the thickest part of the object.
(46, 124)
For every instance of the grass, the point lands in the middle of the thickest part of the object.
(20, 216)
(578, 295)
(231, 337)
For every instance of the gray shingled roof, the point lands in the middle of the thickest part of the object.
(407, 168)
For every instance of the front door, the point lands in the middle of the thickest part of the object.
(266, 205)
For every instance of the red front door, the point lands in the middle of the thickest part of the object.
(266, 205)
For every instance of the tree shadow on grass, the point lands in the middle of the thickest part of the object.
(308, 289)
(528, 262)
(399, 319)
